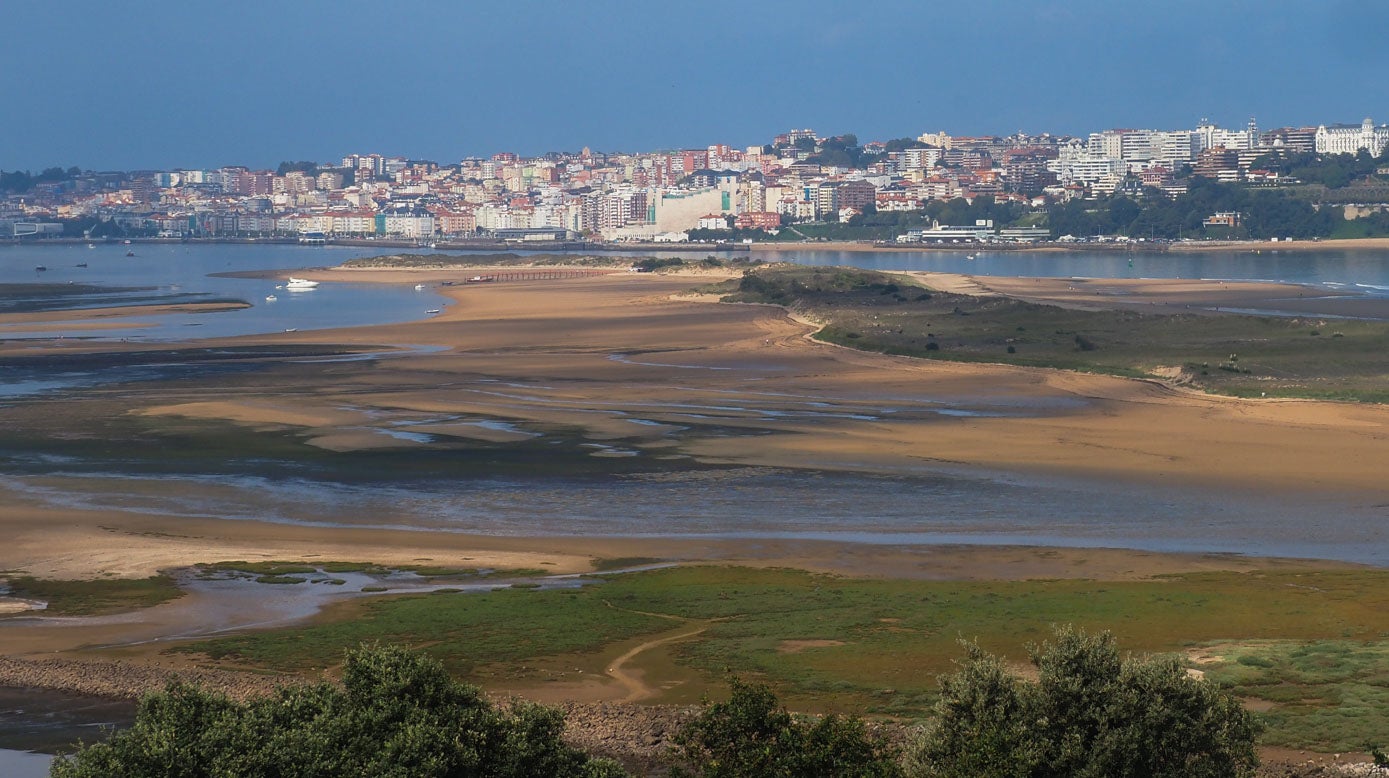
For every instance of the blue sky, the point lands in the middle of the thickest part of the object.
(162, 84)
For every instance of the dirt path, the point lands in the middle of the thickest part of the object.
(637, 689)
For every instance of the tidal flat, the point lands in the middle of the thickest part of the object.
(552, 424)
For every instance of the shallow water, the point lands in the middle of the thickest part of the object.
(185, 273)
(920, 507)
(48, 722)
(1367, 271)
(24, 764)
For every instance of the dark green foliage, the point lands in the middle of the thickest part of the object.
(301, 166)
(752, 735)
(1090, 714)
(650, 264)
(1267, 214)
(397, 714)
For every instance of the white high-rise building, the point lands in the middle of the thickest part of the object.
(1212, 137)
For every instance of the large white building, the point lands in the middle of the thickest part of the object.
(1076, 163)
(1212, 137)
(1350, 138)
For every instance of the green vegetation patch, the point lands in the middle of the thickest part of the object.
(507, 625)
(91, 598)
(1325, 694)
(1229, 354)
(838, 644)
(259, 568)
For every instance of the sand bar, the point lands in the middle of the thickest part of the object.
(561, 338)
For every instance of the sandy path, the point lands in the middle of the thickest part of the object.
(634, 682)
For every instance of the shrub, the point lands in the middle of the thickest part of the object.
(396, 714)
(1090, 714)
(752, 735)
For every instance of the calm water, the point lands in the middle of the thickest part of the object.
(185, 273)
(1367, 271)
(44, 721)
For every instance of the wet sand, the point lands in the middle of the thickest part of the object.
(596, 352)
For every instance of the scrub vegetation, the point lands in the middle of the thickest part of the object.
(93, 598)
(1242, 355)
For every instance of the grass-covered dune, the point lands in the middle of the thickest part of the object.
(1228, 353)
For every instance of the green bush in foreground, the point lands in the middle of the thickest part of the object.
(752, 735)
(1089, 714)
(397, 715)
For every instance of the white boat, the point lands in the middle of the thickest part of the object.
(432, 310)
(419, 287)
(270, 298)
(300, 283)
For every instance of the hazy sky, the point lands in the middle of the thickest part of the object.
(193, 83)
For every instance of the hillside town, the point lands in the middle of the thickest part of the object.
(799, 177)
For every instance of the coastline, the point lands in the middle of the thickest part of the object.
(557, 338)
(579, 247)
(567, 329)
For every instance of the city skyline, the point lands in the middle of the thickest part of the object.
(162, 86)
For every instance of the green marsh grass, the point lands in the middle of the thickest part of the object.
(93, 598)
(877, 646)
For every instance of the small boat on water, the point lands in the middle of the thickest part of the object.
(419, 287)
(432, 310)
(300, 283)
(130, 253)
(270, 298)
(81, 264)
(40, 268)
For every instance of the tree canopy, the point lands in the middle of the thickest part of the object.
(396, 715)
(752, 735)
(1090, 714)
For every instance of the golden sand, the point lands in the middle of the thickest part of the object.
(627, 346)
